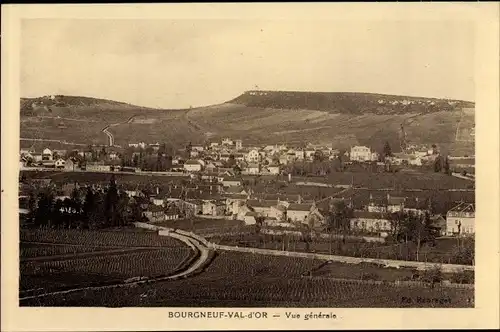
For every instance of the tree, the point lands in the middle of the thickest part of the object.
(318, 156)
(237, 170)
(231, 161)
(446, 166)
(44, 211)
(387, 152)
(438, 164)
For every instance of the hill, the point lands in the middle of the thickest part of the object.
(348, 102)
(261, 117)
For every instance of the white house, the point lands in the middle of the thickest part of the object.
(192, 166)
(370, 221)
(47, 154)
(60, 163)
(298, 212)
(360, 153)
(253, 156)
(300, 154)
(252, 169)
(274, 169)
(461, 219)
(250, 218)
(227, 141)
(239, 144)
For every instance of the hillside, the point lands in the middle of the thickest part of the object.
(341, 119)
(348, 102)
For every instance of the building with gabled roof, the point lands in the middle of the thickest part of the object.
(460, 220)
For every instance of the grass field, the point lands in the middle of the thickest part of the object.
(246, 280)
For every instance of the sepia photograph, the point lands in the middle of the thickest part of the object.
(246, 163)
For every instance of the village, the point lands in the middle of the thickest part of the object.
(219, 181)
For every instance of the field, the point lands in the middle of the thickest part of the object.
(100, 238)
(53, 260)
(346, 120)
(246, 280)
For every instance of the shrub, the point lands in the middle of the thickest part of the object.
(433, 275)
(463, 277)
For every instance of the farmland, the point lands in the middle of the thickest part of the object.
(246, 280)
(52, 260)
(339, 118)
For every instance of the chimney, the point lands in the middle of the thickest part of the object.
(371, 197)
(388, 197)
(289, 177)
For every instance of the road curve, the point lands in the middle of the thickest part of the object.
(201, 249)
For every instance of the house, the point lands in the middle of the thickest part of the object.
(360, 153)
(298, 212)
(236, 190)
(250, 218)
(47, 154)
(70, 165)
(377, 205)
(158, 199)
(300, 154)
(60, 163)
(97, 166)
(309, 154)
(252, 169)
(239, 144)
(227, 141)
(154, 213)
(274, 169)
(192, 165)
(395, 204)
(192, 207)
(214, 208)
(172, 213)
(214, 144)
(253, 156)
(278, 211)
(231, 181)
(460, 220)
(369, 221)
(416, 205)
(439, 223)
(261, 207)
(194, 153)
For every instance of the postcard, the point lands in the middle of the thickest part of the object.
(250, 166)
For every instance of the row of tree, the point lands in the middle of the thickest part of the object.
(84, 209)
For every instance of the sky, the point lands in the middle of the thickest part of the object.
(182, 63)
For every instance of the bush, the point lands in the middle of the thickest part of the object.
(433, 275)
(463, 277)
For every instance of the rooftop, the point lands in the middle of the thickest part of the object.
(299, 207)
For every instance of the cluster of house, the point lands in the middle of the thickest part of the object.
(216, 155)
(228, 198)
(414, 155)
(232, 200)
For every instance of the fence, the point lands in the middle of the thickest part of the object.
(324, 236)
